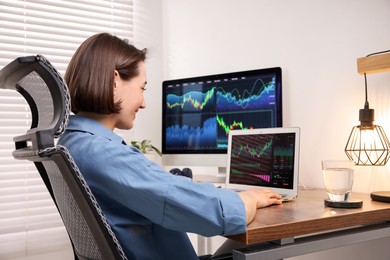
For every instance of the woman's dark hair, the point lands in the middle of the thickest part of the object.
(90, 73)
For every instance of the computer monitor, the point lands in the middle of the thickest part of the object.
(199, 112)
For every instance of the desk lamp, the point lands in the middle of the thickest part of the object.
(368, 143)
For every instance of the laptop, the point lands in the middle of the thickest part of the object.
(266, 158)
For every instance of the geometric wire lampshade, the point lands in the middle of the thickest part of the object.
(368, 145)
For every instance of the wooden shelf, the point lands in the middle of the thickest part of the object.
(374, 64)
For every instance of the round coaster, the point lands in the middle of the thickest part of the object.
(382, 196)
(344, 204)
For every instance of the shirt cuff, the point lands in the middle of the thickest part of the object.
(234, 212)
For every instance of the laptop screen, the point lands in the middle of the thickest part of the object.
(264, 158)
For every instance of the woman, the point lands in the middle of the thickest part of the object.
(149, 209)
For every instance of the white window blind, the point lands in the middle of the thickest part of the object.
(29, 222)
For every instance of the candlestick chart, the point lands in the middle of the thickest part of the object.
(191, 101)
(244, 108)
(200, 115)
(257, 95)
(262, 159)
(190, 118)
(251, 159)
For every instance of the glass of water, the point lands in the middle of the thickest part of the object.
(338, 178)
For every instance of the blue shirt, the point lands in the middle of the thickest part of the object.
(149, 209)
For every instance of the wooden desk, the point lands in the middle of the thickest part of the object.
(308, 216)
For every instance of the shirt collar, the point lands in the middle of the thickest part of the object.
(88, 125)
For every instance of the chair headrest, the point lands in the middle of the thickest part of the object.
(43, 88)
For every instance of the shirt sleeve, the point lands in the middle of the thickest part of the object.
(126, 178)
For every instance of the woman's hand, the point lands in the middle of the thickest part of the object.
(255, 198)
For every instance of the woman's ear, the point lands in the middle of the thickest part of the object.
(116, 78)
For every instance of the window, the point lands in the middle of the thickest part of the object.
(29, 221)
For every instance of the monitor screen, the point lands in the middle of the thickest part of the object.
(199, 112)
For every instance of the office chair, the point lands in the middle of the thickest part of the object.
(47, 95)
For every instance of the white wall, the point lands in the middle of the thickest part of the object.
(315, 42)
(148, 34)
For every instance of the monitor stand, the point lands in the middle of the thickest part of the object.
(212, 174)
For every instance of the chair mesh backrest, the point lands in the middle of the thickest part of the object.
(82, 237)
(48, 97)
